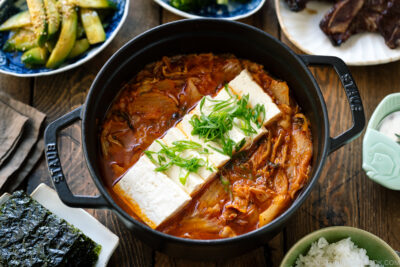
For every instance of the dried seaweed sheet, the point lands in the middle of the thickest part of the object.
(30, 235)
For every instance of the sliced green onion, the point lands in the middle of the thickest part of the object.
(216, 125)
(225, 183)
(172, 155)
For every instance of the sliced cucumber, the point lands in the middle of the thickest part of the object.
(35, 56)
(19, 20)
(53, 17)
(50, 44)
(38, 18)
(66, 40)
(80, 32)
(93, 28)
(21, 40)
(80, 47)
(95, 3)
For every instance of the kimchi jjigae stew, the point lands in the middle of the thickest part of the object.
(205, 146)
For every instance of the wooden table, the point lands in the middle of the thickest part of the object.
(343, 196)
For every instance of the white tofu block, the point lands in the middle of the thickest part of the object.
(235, 134)
(151, 195)
(193, 181)
(210, 102)
(225, 94)
(244, 84)
(175, 134)
(249, 139)
(216, 158)
(155, 146)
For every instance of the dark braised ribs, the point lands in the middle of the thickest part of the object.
(337, 23)
(348, 17)
(389, 24)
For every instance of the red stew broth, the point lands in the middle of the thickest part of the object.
(265, 178)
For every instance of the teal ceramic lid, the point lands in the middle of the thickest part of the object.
(381, 154)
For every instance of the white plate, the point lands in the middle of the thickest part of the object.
(78, 218)
(302, 29)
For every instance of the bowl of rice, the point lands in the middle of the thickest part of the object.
(341, 246)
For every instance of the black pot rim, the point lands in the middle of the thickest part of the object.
(277, 222)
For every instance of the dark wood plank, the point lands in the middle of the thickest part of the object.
(344, 195)
(18, 88)
(59, 94)
(253, 258)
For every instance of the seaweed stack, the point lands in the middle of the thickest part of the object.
(30, 235)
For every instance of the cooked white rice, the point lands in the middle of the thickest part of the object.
(343, 253)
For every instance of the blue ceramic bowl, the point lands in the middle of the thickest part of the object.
(233, 11)
(10, 63)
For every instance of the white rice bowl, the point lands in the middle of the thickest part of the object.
(343, 253)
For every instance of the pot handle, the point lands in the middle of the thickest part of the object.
(353, 97)
(55, 169)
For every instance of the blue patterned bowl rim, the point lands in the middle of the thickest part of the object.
(244, 14)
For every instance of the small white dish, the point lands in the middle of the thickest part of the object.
(78, 218)
(302, 29)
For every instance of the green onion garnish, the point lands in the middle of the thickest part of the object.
(216, 125)
(184, 178)
(225, 182)
(172, 155)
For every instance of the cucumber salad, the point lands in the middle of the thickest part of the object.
(53, 31)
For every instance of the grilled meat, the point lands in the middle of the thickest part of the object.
(389, 24)
(348, 17)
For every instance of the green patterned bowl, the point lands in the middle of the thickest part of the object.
(381, 155)
(377, 249)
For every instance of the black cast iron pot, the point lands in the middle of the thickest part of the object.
(196, 36)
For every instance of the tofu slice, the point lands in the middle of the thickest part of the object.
(204, 173)
(154, 147)
(209, 102)
(151, 195)
(249, 139)
(216, 158)
(244, 84)
(193, 182)
(236, 134)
